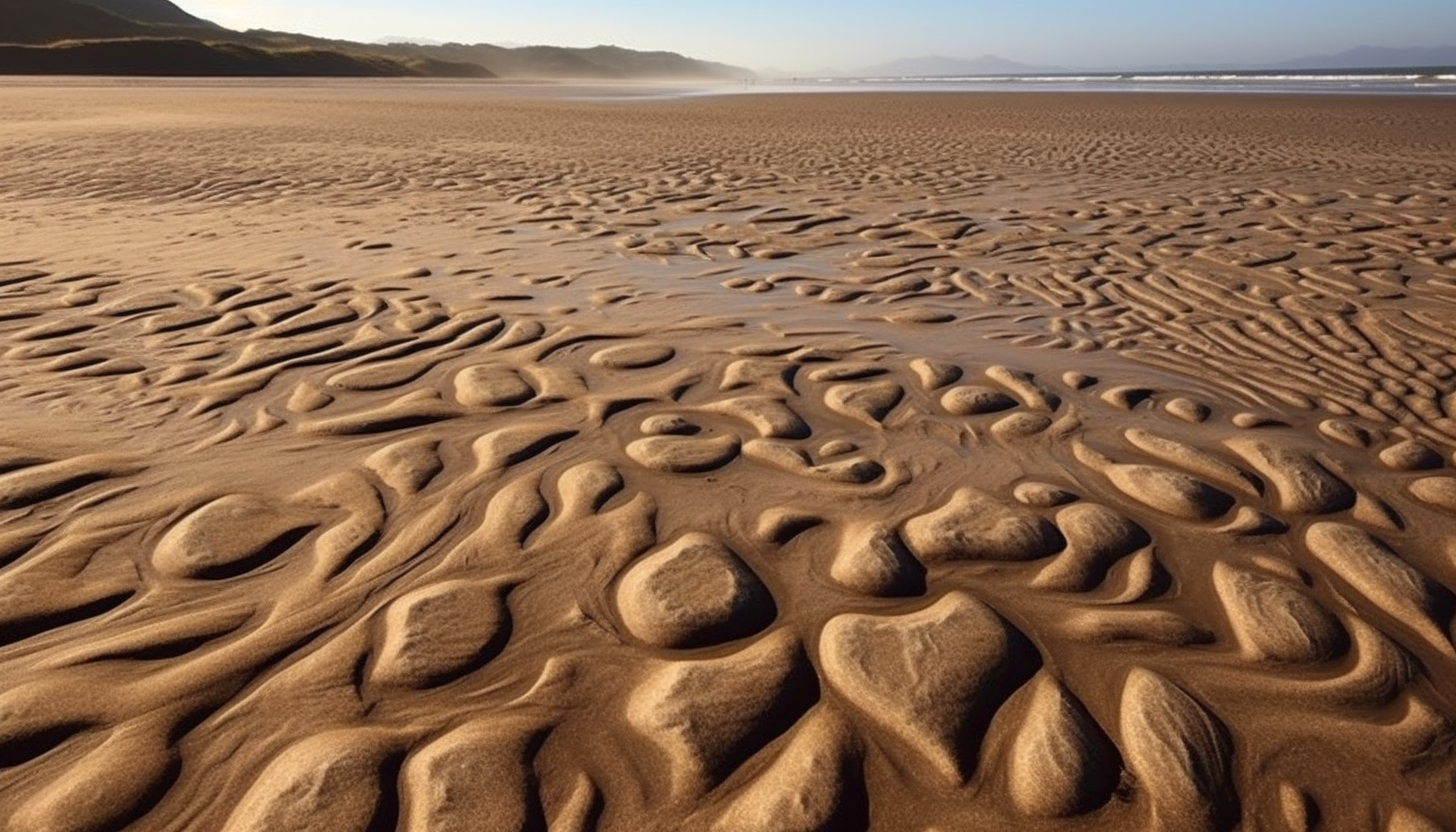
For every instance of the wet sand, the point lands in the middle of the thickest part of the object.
(422, 456)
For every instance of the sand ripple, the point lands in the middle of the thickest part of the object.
(387, 457)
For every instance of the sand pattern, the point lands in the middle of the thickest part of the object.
(382, 457)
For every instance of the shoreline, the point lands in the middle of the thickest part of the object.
(1336, 84)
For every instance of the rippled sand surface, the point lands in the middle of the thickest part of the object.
(462, 457)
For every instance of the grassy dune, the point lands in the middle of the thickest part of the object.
(187, 57)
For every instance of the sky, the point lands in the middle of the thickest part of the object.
(848, 34)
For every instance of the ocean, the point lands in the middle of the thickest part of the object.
(1403, 81)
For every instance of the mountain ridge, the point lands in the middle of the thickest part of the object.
(1378, 57)
(157, 12)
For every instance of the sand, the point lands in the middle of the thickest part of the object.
(391, 456)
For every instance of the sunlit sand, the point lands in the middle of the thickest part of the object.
(482, 457)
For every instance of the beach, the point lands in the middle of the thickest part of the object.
(432, 455)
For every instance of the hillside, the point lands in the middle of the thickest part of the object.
(557, 62)
(188, 57)
(51, 21)
(157, 37)
(155, 12)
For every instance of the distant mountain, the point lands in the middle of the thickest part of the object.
(156, 37)
(937, 65)
(1377, 57)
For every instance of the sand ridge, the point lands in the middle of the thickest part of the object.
(403, 457)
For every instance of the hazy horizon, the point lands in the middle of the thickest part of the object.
(758, 34)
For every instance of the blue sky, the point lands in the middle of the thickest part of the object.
(812, 34)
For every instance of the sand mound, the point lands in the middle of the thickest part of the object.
(379, 457)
